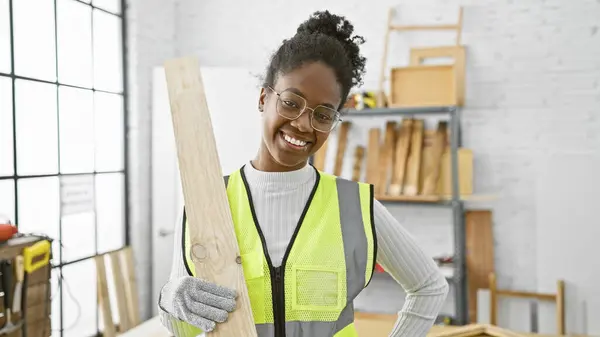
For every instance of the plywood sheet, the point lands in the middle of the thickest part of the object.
(416, 86)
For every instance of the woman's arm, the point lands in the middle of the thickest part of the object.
(425, 286)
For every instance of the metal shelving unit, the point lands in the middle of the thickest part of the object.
(458, 281)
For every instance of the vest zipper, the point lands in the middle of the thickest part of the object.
(277, 273)
(278, 302)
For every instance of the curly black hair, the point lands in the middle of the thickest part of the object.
(327, 38)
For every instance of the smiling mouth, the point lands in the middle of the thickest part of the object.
(293, 142)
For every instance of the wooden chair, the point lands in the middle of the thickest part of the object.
(125, 288)
(558, 298)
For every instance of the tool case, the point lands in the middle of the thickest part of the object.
(25, 288)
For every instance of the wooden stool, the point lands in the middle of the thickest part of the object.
(558, 298)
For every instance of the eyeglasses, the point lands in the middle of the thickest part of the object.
(291, 106)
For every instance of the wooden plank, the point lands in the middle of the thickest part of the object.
(359, 154)
(456, 53)
(465, 173)
(373, 156)
(104, 298)
(341, 149)
(122, 307)
(425, 85)
(214, 247)
(386, 157)
(480, 255)
(319, 157)
(400, 156)
(432, 172)
(131, 290)
(413, 165)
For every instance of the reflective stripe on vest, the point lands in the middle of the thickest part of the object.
(329, 260)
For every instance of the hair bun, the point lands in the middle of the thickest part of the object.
(324, 22)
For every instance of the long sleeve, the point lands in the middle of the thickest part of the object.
(425, 286)
(177, 269)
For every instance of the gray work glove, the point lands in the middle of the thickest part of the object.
(197, 302)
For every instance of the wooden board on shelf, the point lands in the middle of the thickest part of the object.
(341, 149)
(413, 165)
(480, 255)
(319, 157)
(465, 173)
(431, 171)
(386, 156)
(359, 154)
(215, 251)
(373, 156)
(457, 53)
(400, 156)
(426, 85)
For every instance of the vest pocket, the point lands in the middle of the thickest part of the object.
(254, 272)
(318, 288)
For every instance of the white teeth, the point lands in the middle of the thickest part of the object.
(294, 141)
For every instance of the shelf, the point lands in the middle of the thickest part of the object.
(434, 110)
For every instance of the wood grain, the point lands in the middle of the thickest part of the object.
(319, 157)
(386, 157)
(359, 155)
(373, 156)
(456, 53)
(465, 173)
(413, 165)
(400, 155)
(341, 149)
(214, 248)
(104, 297)
(480, 255)
(432, 171)
(122, 307)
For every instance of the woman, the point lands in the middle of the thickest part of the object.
(308, 240)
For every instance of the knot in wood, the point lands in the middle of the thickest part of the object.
(199, 252)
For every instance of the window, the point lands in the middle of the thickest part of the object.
(63, 168)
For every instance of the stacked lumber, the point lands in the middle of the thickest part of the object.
(403, 160)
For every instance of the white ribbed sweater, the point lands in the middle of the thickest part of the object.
(280, 197)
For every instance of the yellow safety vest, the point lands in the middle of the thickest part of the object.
(328, 262)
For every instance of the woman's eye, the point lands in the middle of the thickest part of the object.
(291, 104)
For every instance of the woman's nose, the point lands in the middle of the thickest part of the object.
(302, 123)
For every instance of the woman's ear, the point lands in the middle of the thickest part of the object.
(261, 99)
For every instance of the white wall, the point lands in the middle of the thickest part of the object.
(533, 94)
(151, 39)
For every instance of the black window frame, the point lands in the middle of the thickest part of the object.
(15, 177)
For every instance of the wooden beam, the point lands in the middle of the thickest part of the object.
(214, 247)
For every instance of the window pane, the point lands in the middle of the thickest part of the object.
(37, 134)
(39, 207)
(74, 43)
(108, 121)
(34, 39)
(78, 218)
(76, 130)
(110, 211)
(108, 73)
(80, 299)
(6, 128)
(7, 200)
(113, 6)
(5, 65)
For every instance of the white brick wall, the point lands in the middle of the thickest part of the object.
(533, 91)
(151, 40)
